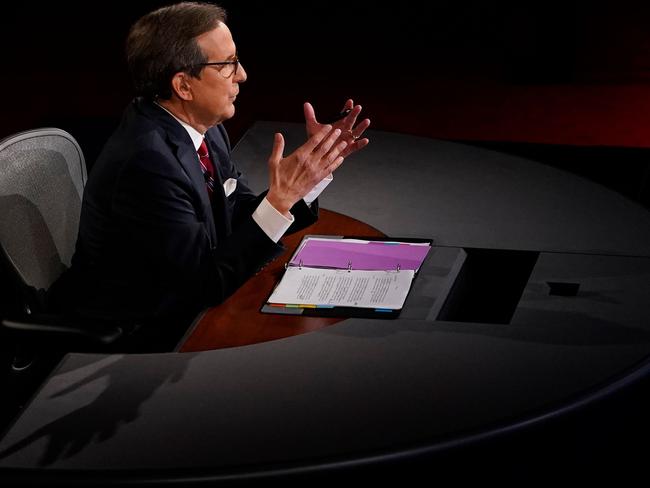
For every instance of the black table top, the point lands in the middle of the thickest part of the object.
(365, 390)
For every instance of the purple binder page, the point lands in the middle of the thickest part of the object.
(371, 255)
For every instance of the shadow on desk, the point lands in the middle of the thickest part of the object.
(93, 422)
(598, 442)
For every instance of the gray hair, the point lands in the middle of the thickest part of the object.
(163, 43)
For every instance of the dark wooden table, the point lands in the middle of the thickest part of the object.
(238, 321)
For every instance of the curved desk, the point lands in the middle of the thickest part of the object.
(366, 391)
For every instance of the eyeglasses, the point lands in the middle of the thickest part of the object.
(226, 68)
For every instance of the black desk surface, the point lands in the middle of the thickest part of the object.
(365, 390)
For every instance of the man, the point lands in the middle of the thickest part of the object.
(168, 225)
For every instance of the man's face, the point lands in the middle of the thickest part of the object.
(213, 94)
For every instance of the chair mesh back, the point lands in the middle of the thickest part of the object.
(42, 175)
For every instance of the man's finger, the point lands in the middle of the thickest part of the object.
(327, 143)
(315, 140)
(354, 147)
(351, 118)
(310, 115)
(360, 128)
(278, 148)
(337, 151)
(337, 162)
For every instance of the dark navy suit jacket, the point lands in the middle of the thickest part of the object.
(151, 245)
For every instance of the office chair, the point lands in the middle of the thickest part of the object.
(42, 176)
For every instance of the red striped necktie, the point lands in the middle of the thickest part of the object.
(206, 167)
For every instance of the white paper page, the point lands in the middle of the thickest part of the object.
(367, 289)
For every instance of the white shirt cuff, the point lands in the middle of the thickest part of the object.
(318, 189)
(272, 222)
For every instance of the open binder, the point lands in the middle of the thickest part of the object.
(336, 276)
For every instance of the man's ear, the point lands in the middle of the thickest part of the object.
(181, 86)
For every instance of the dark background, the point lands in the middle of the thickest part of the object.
(566, 83)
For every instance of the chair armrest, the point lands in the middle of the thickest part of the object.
(58, 332)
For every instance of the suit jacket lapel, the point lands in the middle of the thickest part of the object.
(220, 205)
(183, 148)
(220, 158)
(190, 163)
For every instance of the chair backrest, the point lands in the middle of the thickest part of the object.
(42, 176)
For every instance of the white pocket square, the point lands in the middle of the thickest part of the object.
(229, 186)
